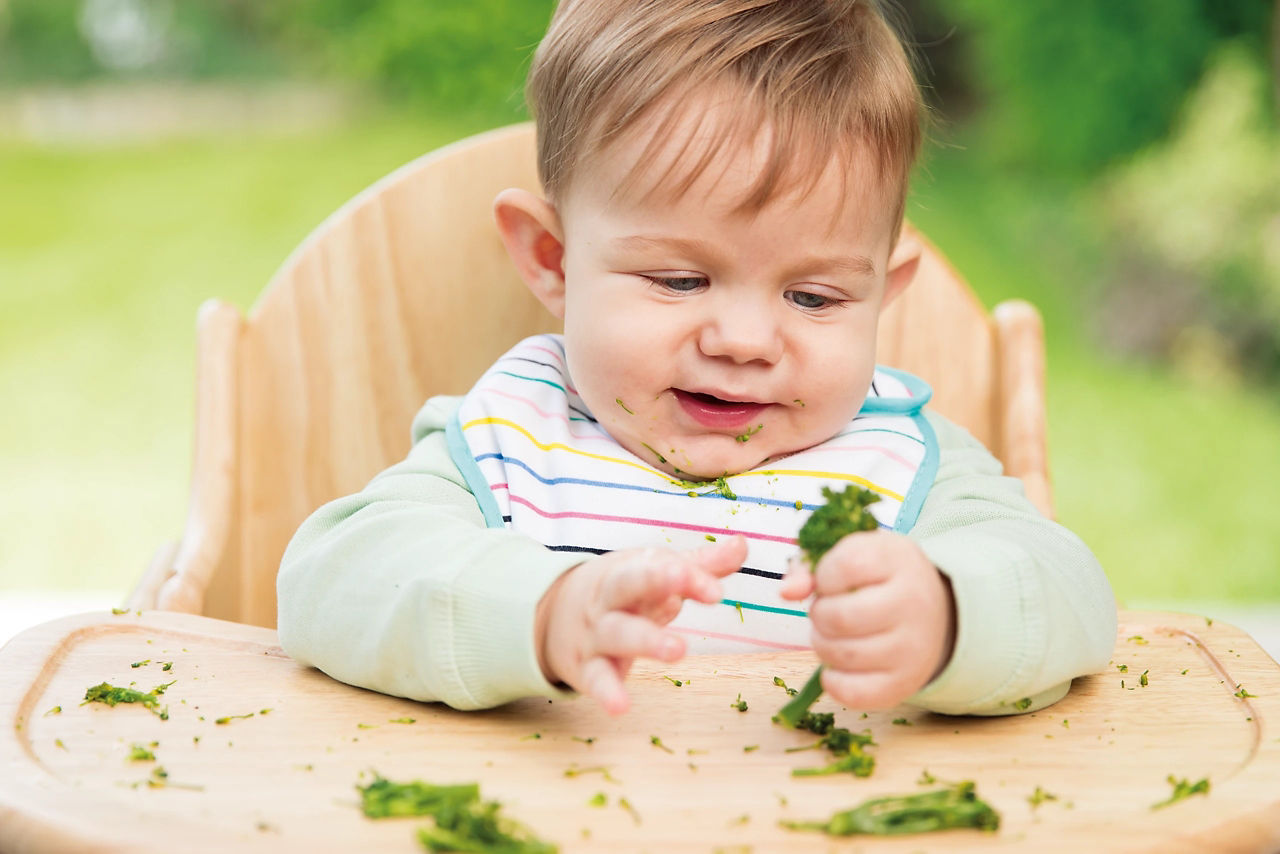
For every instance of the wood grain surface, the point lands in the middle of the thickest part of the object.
(284, 779)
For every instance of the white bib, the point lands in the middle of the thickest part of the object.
(538, 462)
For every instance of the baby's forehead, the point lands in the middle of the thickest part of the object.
(732, 177)
(719, 146)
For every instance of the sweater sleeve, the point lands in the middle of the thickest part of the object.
(1034, 609)
(402, 589)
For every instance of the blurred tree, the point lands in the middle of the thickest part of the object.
(1073, 87)
(457, 54)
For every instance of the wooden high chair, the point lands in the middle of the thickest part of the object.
(406, 292)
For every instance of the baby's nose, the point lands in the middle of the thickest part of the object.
(743, 332)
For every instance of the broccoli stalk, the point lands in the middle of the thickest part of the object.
(943, 809)
(844, 513)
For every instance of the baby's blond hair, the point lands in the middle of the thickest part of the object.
(827, 77)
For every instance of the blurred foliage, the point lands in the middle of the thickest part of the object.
(455, 54)
(1074, 87)
(74, 41)
(452, 53)
(1199, 215)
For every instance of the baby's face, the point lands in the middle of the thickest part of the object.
(709, 342)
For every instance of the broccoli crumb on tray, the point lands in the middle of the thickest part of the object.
(111, 695)
(844, 513)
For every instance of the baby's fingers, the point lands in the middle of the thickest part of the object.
(703, 568)
(601, 681)
(623, 635)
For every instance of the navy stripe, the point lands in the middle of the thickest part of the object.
(555, 368)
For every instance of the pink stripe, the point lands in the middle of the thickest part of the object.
(656, 523)
(740, 639)
(552, 415)
(883, 451)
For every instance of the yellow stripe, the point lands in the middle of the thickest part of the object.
(548, 446)
(560, 447)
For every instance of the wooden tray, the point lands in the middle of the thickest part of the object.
(284, 780)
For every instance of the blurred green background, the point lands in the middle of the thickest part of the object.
(1116, 163)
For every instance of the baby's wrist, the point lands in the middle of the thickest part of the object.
(542, 622)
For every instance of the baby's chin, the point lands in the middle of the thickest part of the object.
(707, 464)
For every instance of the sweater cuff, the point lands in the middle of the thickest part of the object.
(997, 627)
(493, 612)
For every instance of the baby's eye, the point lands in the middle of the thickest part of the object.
(680, 284)
(807, 300)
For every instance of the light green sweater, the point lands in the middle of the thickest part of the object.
(402, 589)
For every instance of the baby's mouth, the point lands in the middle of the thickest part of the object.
(717, 413)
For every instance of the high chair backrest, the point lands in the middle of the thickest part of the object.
(406, 292)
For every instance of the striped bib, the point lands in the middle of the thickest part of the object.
(539, 463)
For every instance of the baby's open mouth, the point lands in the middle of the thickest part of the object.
(717, 413)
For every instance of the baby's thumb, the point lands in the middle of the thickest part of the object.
(798, 583)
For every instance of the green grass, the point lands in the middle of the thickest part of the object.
(105, 254)
(1171, 481)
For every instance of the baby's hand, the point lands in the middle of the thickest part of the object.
(601, 615)
(883, 619)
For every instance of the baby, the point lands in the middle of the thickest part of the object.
(721, 230)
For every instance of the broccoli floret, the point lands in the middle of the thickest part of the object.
(844, 513)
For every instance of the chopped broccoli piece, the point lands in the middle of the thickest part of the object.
(739, 704)
(1039, 796)
(657, 742)
(462, 822)
(793, 712)
(953, 807)
(229, 718)
(791, 692)
(1183, 789)
(141, 753)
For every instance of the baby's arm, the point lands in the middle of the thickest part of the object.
(402, 589)
(1032, 607)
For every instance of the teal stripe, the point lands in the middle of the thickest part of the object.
(881, 430)
(470, 471)
(751, 606)
(533, 380)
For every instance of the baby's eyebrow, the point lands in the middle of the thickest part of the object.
(686, 245)
(856, 266)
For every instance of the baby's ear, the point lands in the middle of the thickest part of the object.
(903, 262)
(531, 231)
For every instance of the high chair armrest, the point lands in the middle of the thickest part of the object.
(1020, 353)
(205, 538)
